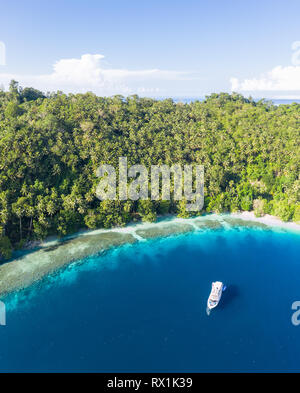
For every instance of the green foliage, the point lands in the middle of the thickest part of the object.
(164, 207)
(283, 210)
(30, 94)
(296, 217)
(146, 210)
(182, 212)
(12, 110)
(260, 207)
(50, 148)
(5, 247)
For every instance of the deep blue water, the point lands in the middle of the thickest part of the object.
(142, 308)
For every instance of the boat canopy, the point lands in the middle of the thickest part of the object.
(216, 289)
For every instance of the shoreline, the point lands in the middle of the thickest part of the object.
(267, 219)
(53, 254)
(132, 228)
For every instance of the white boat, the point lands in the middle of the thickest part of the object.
(215, 295)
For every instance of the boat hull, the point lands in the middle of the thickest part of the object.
(215, 295)
(212, 306)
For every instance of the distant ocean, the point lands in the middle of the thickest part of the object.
(141, 307)
(187, 100)
(285, 102)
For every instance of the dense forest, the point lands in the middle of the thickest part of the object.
(51, 146)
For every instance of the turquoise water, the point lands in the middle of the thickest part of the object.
(142, 308)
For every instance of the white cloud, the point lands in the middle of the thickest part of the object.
(88, 74)
(279, 79)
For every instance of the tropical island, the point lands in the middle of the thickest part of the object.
(51, 145)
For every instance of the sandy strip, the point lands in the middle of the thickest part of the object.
(271, 221)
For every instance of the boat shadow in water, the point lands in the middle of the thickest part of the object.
(229, 295)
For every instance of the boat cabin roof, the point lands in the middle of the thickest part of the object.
(215, 292)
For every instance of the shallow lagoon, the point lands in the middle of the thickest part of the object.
(141, 307)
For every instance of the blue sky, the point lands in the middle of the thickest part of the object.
(157, 48)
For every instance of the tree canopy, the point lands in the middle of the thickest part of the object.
(51, 146)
